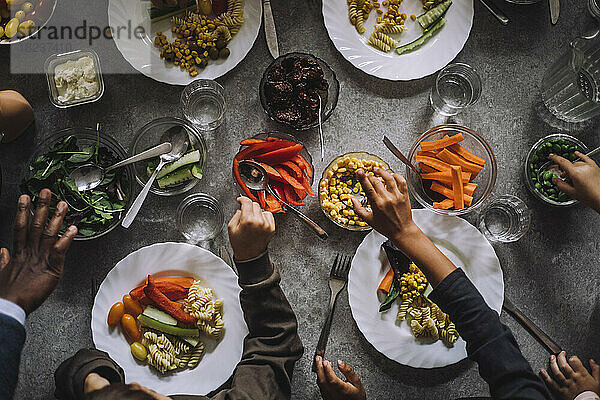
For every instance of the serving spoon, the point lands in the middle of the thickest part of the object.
(178, 138)
(90, 175)
(255, 177)
(552, 166)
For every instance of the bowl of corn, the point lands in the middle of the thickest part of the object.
(339, 184)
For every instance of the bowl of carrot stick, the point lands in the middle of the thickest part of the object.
(457, 167)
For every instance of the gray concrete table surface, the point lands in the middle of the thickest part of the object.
(551, 274)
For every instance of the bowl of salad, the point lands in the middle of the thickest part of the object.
(95, 212)
(176, 177)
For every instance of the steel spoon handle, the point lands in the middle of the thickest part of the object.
(153, 152)
(324, 337)
(312, 224)
(496, 12)
(139, 200)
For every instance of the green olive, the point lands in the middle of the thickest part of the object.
(10, 30)
(20, 15)
(224, 53)
(213, 53)
(1, 32)
(139, 351)
(221, 44)
(27, 7)
(26, 27)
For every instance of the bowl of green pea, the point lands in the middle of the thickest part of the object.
(539, 179)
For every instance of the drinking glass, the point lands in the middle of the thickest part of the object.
(204, 104)
(570, 88)
(505, 219)
(456, 87)
(200, 219)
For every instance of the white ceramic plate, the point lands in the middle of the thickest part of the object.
(145, 57)
(431, 57)
(173, 259)
(464, 245)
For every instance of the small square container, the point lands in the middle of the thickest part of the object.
(57, 59)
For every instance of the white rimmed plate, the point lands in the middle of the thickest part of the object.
(464, 245)
(173, 259)
(145, 57)
(431, 57)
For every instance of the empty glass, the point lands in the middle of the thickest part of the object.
(505, 219)
(570, 88)
(456, 87)
(204, 104)
(200, 218)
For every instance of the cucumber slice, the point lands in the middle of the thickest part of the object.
(197, 170)
(159, 315)
(168, 329)
(431, 16)
(177, 177)
(415, 44)
(188, 158)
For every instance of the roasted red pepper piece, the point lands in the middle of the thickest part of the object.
(289, 179)
(291, 196)
(279, 155)
(273, 205)
(278, 189)
(301, 193)
(263, 148)
(302, 163)
(238, 179)
(272, 172)
(170, 307)
(248, 142)
(169, 289)
(261, 199)
(295, 168)
(306, 183)
(273, 139)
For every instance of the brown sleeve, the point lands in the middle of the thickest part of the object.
(272, 346)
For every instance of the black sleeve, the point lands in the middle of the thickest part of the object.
(12, 339)
(489, 342)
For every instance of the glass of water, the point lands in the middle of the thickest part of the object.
(505, 219)
(200, 218)
(204, 104)
(456, 87)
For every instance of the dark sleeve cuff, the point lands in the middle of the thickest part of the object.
(443, 290)
(71, 374)
(255, 271)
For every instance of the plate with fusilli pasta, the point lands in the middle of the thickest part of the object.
(200, 349)
(419, 334)
(143, 40)
(362, 34)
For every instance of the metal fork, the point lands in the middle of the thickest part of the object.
(337, 280)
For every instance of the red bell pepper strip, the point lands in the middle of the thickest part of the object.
(248, 142)
(273, 205)
(171, 290)
(272, 172)
(300, 193)
(278, 188)
(306, 184)
(273, 139)
(170, 307)
(289, 179)
(263, 148)
(291, 196)
(261, 199)
(280, 155)
(238, 179)
(296, 169)
(302, 163)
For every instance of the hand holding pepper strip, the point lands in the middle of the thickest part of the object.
(172, 308)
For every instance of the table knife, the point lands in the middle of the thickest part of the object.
(270, 32)
(554, 10)
(496, 12)
(536, 332)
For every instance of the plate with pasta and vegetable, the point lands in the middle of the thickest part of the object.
(388, 294)
(398, 39)
(170, 315)
(176, 46)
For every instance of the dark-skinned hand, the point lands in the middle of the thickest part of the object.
(583, 179)
(31, 274)
(250, 230)
(570, 378)
(332, 387)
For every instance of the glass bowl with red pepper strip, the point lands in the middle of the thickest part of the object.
(339, 184)
(288, 164)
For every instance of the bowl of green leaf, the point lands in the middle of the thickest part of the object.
(95, 212)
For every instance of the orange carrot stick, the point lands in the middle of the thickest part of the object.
(431, 145)
(457, 188)
(466, 154)
(445, 176)
(387, 281)
(426, 153)
(447, 192)
(444, 204)
(453, 159)
(427, 169)
(436, 163)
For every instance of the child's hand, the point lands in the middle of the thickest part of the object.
(584, 177)
(570, 377)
